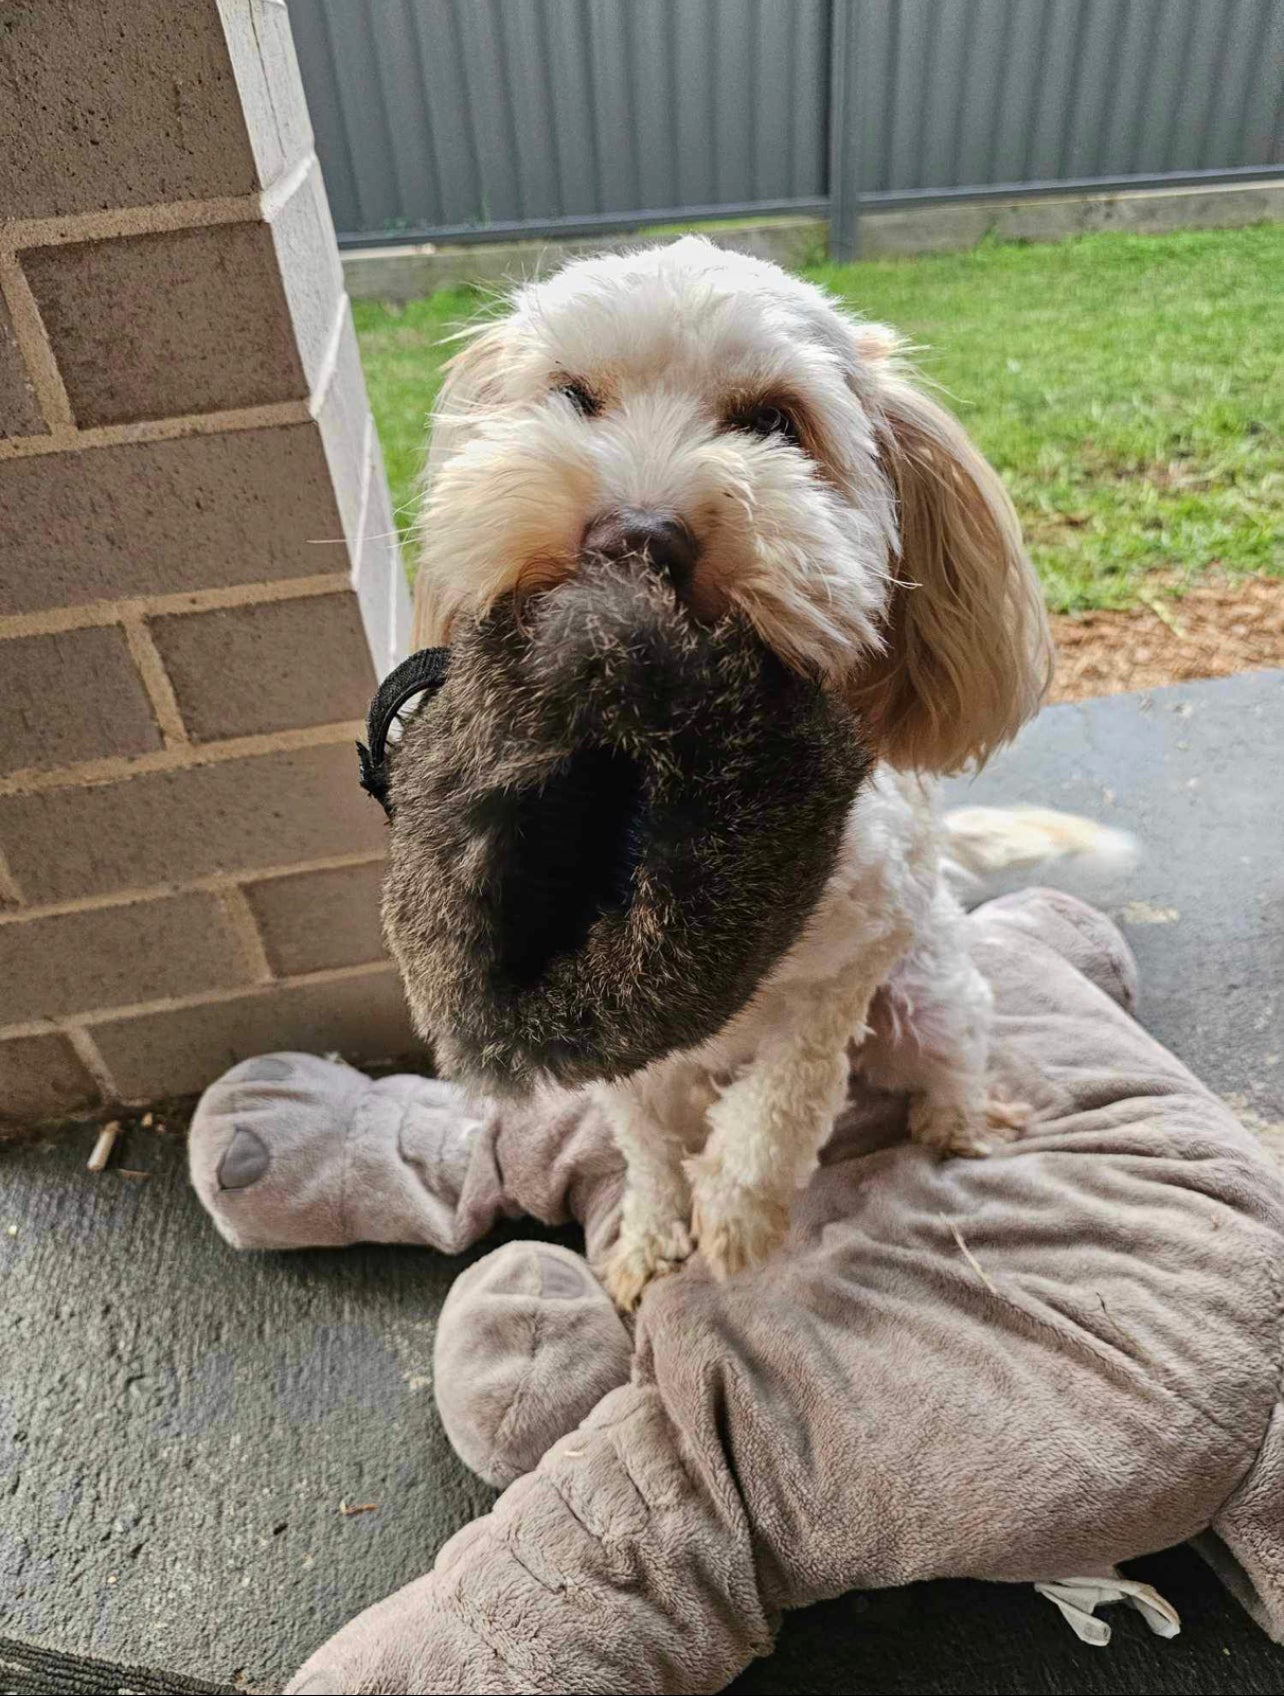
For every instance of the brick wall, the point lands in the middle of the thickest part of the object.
(196, 565)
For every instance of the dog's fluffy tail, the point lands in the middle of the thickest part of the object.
(984, 840)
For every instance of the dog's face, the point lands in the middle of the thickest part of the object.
(723, 417)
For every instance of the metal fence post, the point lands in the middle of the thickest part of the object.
(844, 149)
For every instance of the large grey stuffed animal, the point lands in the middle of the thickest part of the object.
(1026, 1368)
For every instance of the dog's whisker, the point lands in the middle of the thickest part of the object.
(345, 541)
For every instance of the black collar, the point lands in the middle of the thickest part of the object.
(423, 673)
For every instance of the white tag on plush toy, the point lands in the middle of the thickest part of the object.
(1077, 1598)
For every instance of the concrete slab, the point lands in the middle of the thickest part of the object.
(1196, 773)
(181, 1427)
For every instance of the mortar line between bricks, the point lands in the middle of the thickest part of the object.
(9, 890)
(121, 768)
(329, 365)
(270, 414)
(215, 883)
(278, 195)
(87, 1052)
(363, 504)
(390, 659)
(36, 352)
(207, 998)
(160, 217)
(156, 681)
(52, 621)
(249, 937)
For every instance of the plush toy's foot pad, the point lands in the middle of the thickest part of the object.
(527, 1344)
(266, 1148)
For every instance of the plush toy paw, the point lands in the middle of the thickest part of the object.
(266, 1149)
(642, 1253)
(527, 1345)
(736, 1225)
(954, 1128)
(292, 1151)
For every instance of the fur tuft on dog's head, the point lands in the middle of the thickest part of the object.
(608, 826)
(833, 504)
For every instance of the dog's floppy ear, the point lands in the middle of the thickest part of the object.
(474, 384)
(968, 657)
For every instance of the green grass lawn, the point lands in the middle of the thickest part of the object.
(1129, 388)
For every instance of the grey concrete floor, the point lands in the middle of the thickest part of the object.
(1196, 773)
(179, 1425)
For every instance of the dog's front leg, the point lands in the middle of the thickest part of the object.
(658, 1117)
(769, 1126)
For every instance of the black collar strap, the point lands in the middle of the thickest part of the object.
(423, 673)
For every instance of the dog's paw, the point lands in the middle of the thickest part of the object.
(640, 1254)
(951, 1127)
(735, 1226)
(1006, 1120)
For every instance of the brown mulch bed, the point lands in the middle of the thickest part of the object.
(1223, 626)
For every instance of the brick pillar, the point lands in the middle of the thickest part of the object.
(197, 563)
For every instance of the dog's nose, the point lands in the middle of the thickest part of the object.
(664, 539)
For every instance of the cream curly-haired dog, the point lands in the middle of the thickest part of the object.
(774, 456)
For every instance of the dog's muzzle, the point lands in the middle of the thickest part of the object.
(609, 822)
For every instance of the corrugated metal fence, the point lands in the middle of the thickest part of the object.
(449, 120)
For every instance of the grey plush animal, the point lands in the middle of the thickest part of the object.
(1026, 1368)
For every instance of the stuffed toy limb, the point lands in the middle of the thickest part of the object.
(1023, 1368)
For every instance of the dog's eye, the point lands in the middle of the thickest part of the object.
(768, 420)
(581, 398)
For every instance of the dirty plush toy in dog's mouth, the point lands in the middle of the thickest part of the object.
(608, 825)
